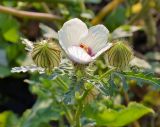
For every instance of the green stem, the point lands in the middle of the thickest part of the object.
(78, 114)
(106, 73)
(68, 115)
(80, 109)
(80, 74)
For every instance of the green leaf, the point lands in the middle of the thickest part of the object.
(11, 34)
(31, 68)
(124, 82)
(143, 78)
(118, 118)
(9, 27)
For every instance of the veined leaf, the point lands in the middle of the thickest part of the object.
(122, 117)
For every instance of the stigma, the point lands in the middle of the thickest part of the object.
(86, 48)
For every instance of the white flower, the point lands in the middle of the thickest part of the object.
(83, 45)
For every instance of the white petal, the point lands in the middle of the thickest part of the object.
(108, 46)
(71, 33)
(97, 38)
(79, 55)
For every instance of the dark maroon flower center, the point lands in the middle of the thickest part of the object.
(87, 49)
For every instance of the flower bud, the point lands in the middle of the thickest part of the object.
(119, 55)
(46, 54)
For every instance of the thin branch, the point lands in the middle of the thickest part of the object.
(105, 10)
(25, 14)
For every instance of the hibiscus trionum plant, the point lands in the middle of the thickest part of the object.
(71, 88)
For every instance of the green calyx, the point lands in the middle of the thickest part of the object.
(119, 55)
(46, 54)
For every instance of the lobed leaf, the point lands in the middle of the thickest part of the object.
(31, 68)
(142, 78)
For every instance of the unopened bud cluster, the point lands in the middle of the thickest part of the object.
(119, 55)
(46, 54)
